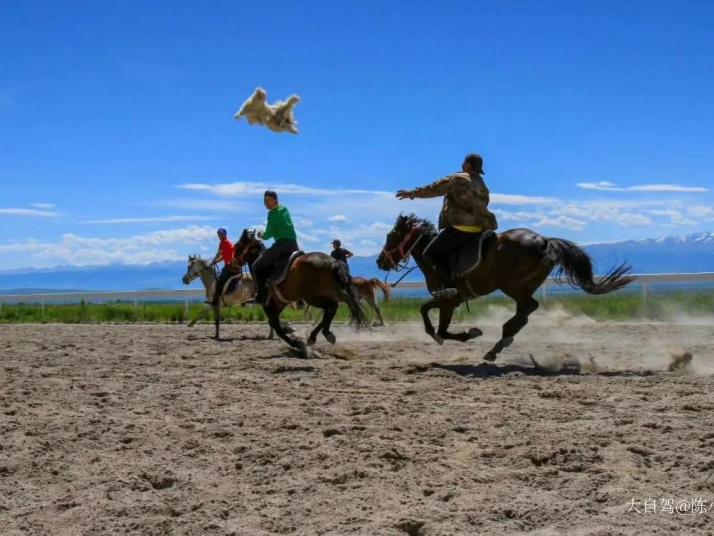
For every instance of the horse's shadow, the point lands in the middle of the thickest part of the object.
(492, 370)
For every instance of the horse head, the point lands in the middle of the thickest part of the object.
(408, 230)
(248, 247)
(195, 266)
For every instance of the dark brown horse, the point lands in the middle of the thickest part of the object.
(314, 278)
(516, 263)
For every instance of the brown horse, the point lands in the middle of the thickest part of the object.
(314, 278)
(367, 291)
(517, 263)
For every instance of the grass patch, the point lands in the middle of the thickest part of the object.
(618, 306)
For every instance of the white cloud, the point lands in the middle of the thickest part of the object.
(42, 205)
(703, 212)
(510, 199)
(675, 216)
(236, 189)
(652, 188)
(379, 226)
(149, 219)
(72, 249)
(28, 212)
(338, 218)
(217, 205)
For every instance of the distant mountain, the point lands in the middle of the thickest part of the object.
(671, 254)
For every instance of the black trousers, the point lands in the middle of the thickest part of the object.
(439, 250)
(224, 276)
(276, 254)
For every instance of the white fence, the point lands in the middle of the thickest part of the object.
(643, 280)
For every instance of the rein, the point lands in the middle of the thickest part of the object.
(240, 259)
(401, 249)
(404, 253)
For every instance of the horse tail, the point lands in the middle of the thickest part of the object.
(386, 289)
(342, 277)
(574, 266)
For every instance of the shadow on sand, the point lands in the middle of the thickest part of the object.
(492, 370)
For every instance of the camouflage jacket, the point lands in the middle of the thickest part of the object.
(465, 201)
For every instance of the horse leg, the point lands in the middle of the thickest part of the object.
(378, 312)
(273, 314)
(428, 326)
(446, 313)
(524, 308)
(217, 319)
(203, 312)
(318, 327)
(372, 301)
(330, 312)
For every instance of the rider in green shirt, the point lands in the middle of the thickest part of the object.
(280, 228)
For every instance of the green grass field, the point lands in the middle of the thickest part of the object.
(622, 306)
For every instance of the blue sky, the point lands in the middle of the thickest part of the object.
(118, 143)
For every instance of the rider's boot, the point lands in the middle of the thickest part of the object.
(448, 288)
(261, 294)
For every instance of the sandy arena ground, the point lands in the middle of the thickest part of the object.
(158, 429)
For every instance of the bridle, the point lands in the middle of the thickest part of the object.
(241, 259)
(194, 274)
(403, 249)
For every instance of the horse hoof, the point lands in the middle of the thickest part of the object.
(304, 349)
(475, 332)
(437, 338)
(331, 338)
(311, 341)
(490, 356)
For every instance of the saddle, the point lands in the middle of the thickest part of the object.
(232, 284)
(471, 254)
(280, 272)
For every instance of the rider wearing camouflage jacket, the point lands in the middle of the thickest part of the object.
(465, 201)
(463, 214)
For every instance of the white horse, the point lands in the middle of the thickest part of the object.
(243, 291)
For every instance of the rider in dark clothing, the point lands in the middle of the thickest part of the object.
(280, 228)
(341, 254)
(463, 214)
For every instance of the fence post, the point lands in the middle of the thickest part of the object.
(185, 309)
(544, 291)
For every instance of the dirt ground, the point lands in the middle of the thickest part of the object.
(158, 429)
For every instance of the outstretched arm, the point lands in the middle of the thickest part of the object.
(435, 189)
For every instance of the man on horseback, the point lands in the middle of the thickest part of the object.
(340, 254)
(225, 254)
(463, 214)
(280, 228)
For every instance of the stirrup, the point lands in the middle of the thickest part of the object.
(445, 293)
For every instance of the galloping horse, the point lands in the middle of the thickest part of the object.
(367, 291)
(243, 292)
(315, 278)
(517, 263)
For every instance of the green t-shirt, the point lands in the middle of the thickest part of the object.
(280, 225)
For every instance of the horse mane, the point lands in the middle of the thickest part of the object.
(412, 220)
